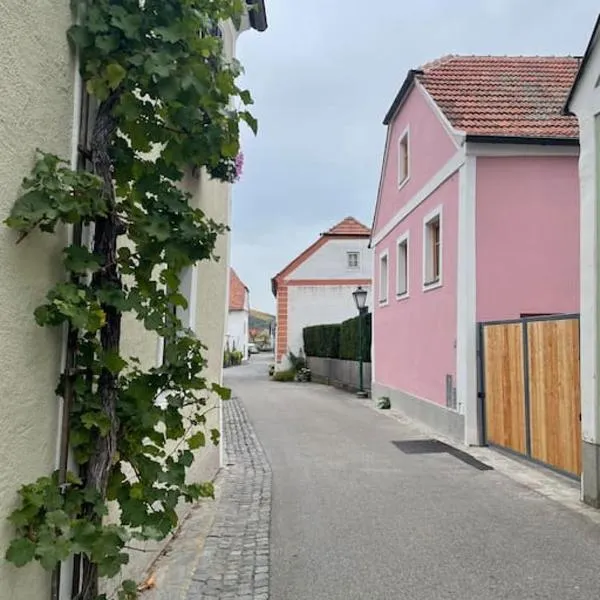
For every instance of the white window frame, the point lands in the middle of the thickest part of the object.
(405, 135)
(403, 240)
(348, 266)
(437, 213)
(383, 300)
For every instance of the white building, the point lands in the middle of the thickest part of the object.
(316, 287)
(584, 101)
(237, 320)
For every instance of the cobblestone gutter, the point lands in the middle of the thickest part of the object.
(235, 560)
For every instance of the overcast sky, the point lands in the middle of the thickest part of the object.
(323, 75)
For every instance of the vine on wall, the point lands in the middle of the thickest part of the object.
(164, 98)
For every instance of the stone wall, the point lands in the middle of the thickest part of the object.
(339, 373)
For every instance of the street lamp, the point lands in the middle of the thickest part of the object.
(360, 299)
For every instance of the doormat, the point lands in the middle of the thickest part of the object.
(430, 446)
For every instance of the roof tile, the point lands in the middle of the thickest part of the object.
(504, 95)
(237, 292)
(349, 226)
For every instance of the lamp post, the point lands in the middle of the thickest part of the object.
(360, 299)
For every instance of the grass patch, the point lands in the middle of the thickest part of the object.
(288, 375)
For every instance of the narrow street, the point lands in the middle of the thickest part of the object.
(354, 517)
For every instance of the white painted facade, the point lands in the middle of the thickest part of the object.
(317, 292)
(331, 261)
(317, 305)
(585, 103)
(237, 329)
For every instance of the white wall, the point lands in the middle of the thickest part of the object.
(237, 331)
(330, 261)
(316, 305)
(586, 104)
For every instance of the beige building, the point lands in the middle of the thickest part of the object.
(40, 107)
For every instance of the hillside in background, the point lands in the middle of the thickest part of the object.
(260, 320)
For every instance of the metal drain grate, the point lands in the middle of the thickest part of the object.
(436, 447)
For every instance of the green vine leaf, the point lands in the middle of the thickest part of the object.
(163, 104)
(20, 552)
(98, 420)
(198, 440)
(223, 392)
(113, 362)
(128, 591)
(115, 74)
(215, 436)
(79, 259)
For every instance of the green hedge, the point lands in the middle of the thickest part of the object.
(322, 340)
(338, 340)
(349, 337)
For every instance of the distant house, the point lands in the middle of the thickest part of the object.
(262, 326)
(316, 287)
(237, 320)
(584, 101)
(477, 219)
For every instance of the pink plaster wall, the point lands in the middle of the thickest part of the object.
(414, 337)
(430, 148)
(527, 236)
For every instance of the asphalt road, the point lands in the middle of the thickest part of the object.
(354, 518)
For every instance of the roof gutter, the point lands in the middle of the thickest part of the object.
(399, 99)
(257, 14)
(524, 140)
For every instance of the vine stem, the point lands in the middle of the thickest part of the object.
(106, 233)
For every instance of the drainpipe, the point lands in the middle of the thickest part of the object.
(62, 574)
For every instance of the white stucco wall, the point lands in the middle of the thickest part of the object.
(317, 305)
(586, 105)
(237, 331)
(331, 262)
(36, 111)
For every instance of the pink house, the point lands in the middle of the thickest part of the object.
(477, 219)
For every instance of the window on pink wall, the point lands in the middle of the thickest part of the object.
(383, 278)
(403, 159)
(432, 249)
(402, 266)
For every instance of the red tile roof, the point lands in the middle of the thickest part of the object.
(507, 96)
(237, 292)
(349, 226)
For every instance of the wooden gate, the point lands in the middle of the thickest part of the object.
(529, 382)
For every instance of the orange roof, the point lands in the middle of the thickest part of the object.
(237, 292)
(501, 96)
(349, 226)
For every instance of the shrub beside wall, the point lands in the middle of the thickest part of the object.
(322, 340)
(338, 340)
(349, 339)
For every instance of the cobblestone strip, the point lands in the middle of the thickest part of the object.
(235, 560)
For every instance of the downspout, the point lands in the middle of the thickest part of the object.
(60, 586)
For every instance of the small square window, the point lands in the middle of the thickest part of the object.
(433, 250)
(402, 267)
(353, 260)
(383, 278)
(403, 159)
